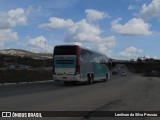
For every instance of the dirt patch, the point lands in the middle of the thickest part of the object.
(105, 107)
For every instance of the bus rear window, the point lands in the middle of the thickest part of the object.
(65, 50)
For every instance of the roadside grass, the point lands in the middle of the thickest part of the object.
(17, 76)
(146, 69)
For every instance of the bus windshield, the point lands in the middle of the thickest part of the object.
(65, 50)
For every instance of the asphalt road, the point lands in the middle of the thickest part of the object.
(121, 93)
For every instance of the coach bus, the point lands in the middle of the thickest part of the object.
(74, 63)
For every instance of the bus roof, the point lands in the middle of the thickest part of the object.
(100, 53)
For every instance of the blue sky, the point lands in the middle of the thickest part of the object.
(121, 29)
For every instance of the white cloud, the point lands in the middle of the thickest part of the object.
(78, 43)
(82, 31)
(9, 20)
(104, 44)
(2, 46)
(7, 35)
(133, 49)
(109, 41)
(12, 18)
(103, 49)
(131, 52)
(49, 49)
(135, 26)
(57, 23)
(38, 42)
(17, 17)
(151, 10)
(155, 57)
(93, 15)
(132, 7)
(147, 56)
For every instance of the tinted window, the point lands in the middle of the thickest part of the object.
(89, 56)
(65, 50)
(86, 55)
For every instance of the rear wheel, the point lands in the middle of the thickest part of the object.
(89, 79)
(92, 78)
(106, 78)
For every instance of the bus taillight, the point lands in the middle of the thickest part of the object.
(53, 65)
(77, 71)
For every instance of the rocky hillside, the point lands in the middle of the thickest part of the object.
(24, 53)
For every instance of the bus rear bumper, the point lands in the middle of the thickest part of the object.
(66, 77)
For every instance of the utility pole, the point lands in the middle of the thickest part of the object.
(4, 57)
(45, 53)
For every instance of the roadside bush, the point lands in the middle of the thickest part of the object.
(16, 76)
(145, 68)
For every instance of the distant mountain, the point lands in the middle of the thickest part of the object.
(24, 53)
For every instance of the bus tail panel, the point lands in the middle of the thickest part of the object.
(65, 65)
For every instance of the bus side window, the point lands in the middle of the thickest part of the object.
(81, 59)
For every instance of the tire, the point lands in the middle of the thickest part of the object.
(92, 79)
(106, 78)
(89, 79)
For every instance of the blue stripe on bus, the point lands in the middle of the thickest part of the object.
(100, 70)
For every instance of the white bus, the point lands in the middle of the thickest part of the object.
(74, 63)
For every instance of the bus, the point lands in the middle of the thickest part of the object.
(72, 63)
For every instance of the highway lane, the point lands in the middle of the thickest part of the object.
(130, 93)
(49, 96)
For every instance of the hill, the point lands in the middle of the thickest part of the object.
(24, 53)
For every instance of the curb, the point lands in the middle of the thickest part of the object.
(20, 83)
